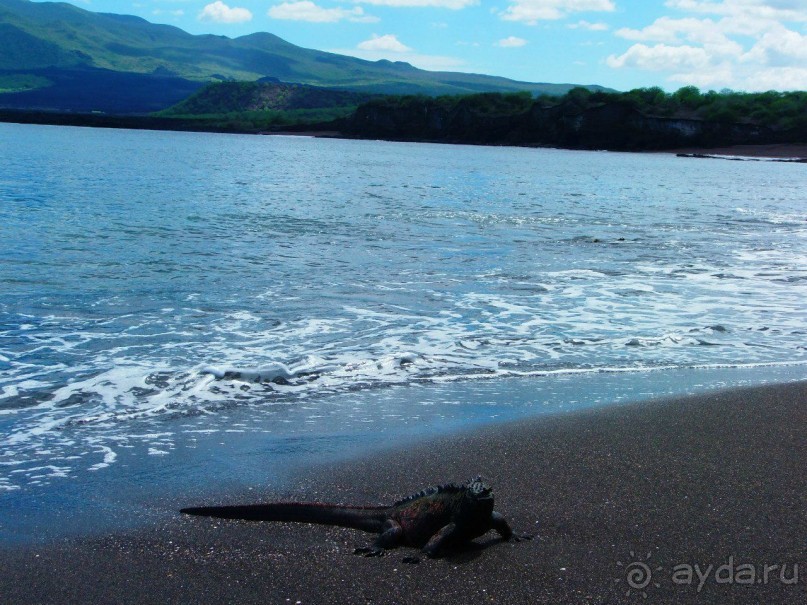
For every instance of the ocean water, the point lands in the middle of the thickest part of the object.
(160, 289)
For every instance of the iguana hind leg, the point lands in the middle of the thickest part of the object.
(390, 537)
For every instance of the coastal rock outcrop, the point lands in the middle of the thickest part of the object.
(609, 125)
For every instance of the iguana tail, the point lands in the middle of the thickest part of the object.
(370, 519)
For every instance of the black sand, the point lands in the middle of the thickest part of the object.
(714, 480)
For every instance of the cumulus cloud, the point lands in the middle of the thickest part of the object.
(389, 47)
(532, 11)
(173, 13)
(221, 13)
(665, 29)
(661, 56)
(593, 27)
(511, 42)
(794, 78)
(779, 47)
(305, 10)
(386, 42)
(742, 44)
(785, 10)
(451, 4)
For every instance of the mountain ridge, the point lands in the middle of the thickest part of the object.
(59, 36)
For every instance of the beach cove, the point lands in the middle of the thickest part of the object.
(614, 341)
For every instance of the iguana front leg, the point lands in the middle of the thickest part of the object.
(438, 540)
(446, 534)
(499, 523)
(390, 536)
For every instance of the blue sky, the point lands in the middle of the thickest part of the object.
(624, 44)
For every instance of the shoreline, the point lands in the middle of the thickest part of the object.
(790, 152)
(686, 480)
(113, 490)
(781, 151)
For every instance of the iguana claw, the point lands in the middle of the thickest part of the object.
(369, 551)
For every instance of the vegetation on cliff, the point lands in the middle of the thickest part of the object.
(646, 118)
(777, 110)
(258, 106)
(641, 119)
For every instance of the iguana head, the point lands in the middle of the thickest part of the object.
(478, 490)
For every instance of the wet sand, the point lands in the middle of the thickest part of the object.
(716, 480)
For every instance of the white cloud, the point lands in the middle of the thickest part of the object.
(390, 48)
(664, 29)
(221, 13)
(593, 27)
(785, 10)
(780, 78)
(172, 13)
(511, 42)
(451, 4)
(532, 11)
(742, 44)
(661, 57)
(711, 36)
(779, 47)
(305, 10)
(387, 42)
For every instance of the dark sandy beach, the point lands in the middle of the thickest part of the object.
(716, 480)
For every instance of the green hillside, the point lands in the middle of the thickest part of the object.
(229, 97)
(263, 106)
(41, 38)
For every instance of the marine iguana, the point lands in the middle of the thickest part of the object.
(433, 519)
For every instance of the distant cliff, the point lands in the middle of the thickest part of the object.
(641, 119)
(240, 97)
(582, 120)
(265, 106)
